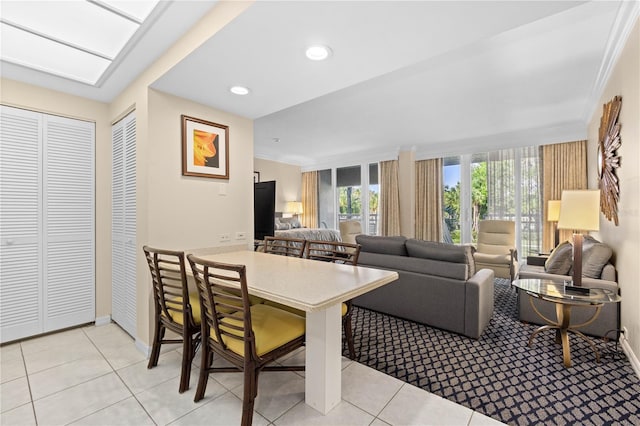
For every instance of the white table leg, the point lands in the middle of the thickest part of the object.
(323, 360)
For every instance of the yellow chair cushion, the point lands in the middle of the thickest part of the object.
(176, 303)
(298, 311)
(272, 327)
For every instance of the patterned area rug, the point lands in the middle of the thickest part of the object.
(499, 375)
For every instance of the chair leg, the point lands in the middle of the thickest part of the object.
(157, 342)
(187, 357)
(250, 393)
(348, 333)
(205, 364)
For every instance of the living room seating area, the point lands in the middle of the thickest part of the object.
(438, 285)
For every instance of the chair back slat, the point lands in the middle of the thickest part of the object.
(170, 290)
(293, 247)
(333, 251)
(224, 301)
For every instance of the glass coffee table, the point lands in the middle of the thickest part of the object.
(565, 297)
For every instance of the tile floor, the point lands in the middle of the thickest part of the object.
(96, 376)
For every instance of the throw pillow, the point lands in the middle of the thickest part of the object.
(560, 260)
(594, 256)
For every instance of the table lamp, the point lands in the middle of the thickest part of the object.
(553, 214)
(579, 211)
(294, 207)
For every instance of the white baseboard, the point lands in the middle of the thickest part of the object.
(103, 320)
(633, 359)
(142, 347)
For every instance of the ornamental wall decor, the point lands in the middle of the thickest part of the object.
(608, 160)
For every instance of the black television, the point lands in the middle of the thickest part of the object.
(264, 209)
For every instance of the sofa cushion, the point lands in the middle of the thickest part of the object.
(439, 268)
(595, 255)
(382, 245)
(442, 251)
(560, 260)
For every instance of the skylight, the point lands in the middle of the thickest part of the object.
(77, 40)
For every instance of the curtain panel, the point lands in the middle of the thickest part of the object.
(428, 197)
(564, 167)
(389, 198)
(310, 199)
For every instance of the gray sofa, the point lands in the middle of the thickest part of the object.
(437, 284)
(607, 320)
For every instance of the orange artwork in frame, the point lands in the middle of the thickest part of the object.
(205, 148)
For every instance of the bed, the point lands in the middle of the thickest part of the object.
(318, 234)
(290, 228)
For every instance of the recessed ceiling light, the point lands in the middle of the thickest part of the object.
(239, 90)
(318, 53)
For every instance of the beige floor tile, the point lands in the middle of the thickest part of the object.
(414, 406)
(58, 355)
(358, 381)
(378, 422)
(123, 413)
(165, 404)
(278, 391)
(64, 376)
(11, 363)
(14, 394)
(45, 343)
(139, 378)
(478, 419)
(118, 347)
(222, 411)
(343, 414)
(80, 401)
(20, 416)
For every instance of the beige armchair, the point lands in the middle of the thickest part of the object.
(349, 229)
(497, 248)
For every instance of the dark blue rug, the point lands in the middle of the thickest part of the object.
(499, 375)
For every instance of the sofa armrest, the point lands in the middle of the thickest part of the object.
(478, 303)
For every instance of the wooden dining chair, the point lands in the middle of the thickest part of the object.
(338, 252)
(175, 308)
(248, 336)
(285, 246)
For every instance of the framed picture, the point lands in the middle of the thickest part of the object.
(256, 177)
(205, 148)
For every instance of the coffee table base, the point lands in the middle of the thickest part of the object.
(563, 327)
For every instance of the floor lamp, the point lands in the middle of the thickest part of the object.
(553, 214)
(580, 211)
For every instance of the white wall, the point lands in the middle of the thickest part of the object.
(625, 238)
(288, 180)
(191, 212)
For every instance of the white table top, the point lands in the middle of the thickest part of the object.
(304, 284)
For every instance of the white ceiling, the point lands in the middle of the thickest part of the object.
(438, 77)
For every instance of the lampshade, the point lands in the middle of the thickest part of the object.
(294, 207)
(580, 210)
(553, 210)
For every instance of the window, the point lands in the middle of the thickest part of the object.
(349, 193)
(499, 185)
(374, 196)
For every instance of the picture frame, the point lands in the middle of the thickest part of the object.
(256, 177)
(205, 148)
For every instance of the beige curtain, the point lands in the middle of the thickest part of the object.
(429, 199)
(310, 199)
(389, 203)
(564, 167)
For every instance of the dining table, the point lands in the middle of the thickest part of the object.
(318, 288)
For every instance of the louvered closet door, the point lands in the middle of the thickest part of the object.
(21, 302)
(69, 271)
(123, 248)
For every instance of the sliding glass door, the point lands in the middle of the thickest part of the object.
(498, 185)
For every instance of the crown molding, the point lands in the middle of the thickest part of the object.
(625, 20)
